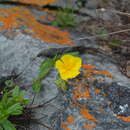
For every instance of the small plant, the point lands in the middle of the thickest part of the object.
(64, 18)
(11, 104)
(45, 68)
(103, 34)
(61, 84)
(116, 43)
(68, 66)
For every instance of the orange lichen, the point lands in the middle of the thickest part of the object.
(106, 73)
(78, 93)
(85, 113)
(88, 66)
(89, 69)
(9, 20)
(43, 18)
(13, 18)
(88, 75)
(70, 119)
(50, 18)
(36, 2)
(97, 91)
(64, 126)
(89, 126)
(127, 119)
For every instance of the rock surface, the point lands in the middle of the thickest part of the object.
(104, 103)
(19, 55)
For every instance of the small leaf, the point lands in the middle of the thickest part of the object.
(37, 85)
(73, 53)
(1, 127)
(9, 83)
(116, 42)
(56, 57)
(64, 18)
(15, 91)
(45, 68)
(61, 84)
(15, 109)
(7, 125)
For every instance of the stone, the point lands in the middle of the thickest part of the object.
(21, 55)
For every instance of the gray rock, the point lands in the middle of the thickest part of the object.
(20, 55)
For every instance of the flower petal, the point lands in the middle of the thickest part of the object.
(69, 66)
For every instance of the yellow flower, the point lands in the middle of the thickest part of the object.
(68, 66)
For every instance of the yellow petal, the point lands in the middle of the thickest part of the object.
(69, 66)
(69, 75)
(59, 64)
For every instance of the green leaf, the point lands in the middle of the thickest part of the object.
(9, 83)
(11, 104)
(36, 85)
(64, 18)
(15, 91)
(1, 127)
(116, 42)
(7, 125)
(15, 109)
(4, 100)
(17, 96)
(56, 57)
(61, 84)
(73, 53)
(45, 68)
